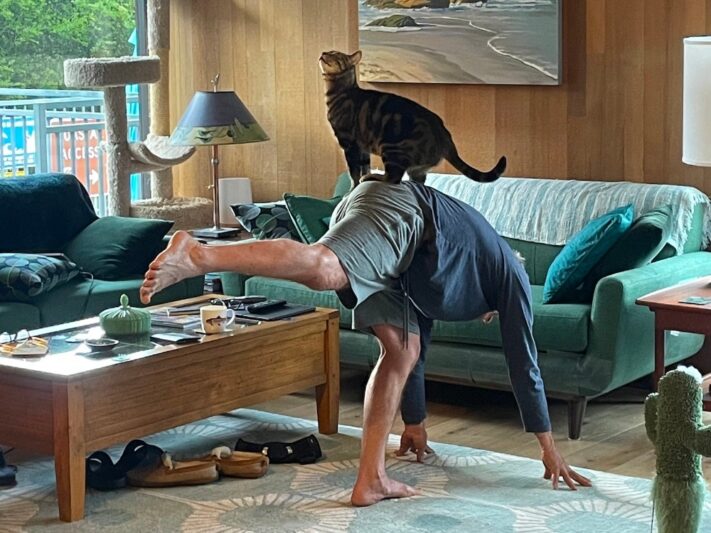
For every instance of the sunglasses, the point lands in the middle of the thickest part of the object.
(22, 343)
(19, 337)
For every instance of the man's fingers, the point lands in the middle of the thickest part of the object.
(581, 479)
(420, 455)
(404, 447)
(568, 479)
(555, 475)
(547, 473)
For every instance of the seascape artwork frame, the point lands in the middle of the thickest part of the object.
(496, 42)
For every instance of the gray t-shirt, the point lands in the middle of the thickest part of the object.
(375, 232)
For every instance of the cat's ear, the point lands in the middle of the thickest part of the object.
(355, 57)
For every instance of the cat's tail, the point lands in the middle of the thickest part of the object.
(475, 174)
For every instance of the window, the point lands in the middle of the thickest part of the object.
(47, 127)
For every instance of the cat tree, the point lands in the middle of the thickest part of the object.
(155, 154)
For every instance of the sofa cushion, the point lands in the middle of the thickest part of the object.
(562, 327)
(309, 215)
(113, 248)
(24, 276)
(15, 316)
(638, 246)
(266, 220)
(558, 327)
(538, 258)
(44, 211)
(82, 298)
(297, 293)
(582, 251)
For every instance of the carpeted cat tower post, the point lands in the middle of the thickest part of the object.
(186, 212)
(156, 154)
(112, 75)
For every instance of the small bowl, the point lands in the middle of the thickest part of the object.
(102, 345)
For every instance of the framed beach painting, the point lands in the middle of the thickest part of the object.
(508, 42)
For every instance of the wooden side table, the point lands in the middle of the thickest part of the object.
(671, 314)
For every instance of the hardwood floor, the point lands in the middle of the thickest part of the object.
(613, 439)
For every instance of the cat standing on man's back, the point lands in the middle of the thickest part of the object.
(407, 136)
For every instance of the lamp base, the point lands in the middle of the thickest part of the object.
(215, 233)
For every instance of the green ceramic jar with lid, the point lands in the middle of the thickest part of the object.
(125, 320)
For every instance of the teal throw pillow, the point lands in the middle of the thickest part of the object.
(266, 220)
(308, 214)
(582, 252)
(640, 244)
(24, 276)
(114, 248)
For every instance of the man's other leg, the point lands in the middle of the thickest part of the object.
(382, 398)
(313, 265)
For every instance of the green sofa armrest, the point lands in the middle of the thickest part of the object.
(621, 345)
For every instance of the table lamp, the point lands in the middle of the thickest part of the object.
(213, 118)
(696, 130)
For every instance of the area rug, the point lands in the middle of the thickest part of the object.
(463, 490)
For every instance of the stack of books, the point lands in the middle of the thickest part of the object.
(177, 317)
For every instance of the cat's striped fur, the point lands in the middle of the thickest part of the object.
(407, 136)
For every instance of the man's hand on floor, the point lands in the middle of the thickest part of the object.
(555, 465)
(414, 439)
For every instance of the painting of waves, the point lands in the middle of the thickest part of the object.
(511, 42)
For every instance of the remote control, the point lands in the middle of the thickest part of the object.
(265, 307)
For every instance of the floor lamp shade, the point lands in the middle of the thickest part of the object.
(696, 145)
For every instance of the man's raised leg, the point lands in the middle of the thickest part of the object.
(313, 265)
(382, 398)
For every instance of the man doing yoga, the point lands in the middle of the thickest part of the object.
(401, 255)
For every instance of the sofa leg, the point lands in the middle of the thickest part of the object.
(576, 413)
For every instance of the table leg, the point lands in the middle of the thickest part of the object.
(69, 450)
(659, 349)
(328, 394)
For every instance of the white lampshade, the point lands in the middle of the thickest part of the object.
(696, 146)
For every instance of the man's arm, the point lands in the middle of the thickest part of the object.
(516, 322)
(413, 406)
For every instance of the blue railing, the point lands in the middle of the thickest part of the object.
(61, 131)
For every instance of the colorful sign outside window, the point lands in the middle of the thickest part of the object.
(84, 151)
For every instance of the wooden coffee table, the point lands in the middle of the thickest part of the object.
(69, 403)
(671, 314)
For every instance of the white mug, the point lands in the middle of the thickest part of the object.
(216, 318)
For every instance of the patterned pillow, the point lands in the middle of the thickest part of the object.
(24, 276)
(266, 221)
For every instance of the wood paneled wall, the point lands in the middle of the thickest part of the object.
(617, 115)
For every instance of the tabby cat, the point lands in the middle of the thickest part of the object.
(408, 137)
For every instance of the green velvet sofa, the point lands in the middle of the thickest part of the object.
(586, 350)
(42, 213)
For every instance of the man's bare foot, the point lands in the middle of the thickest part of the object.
(368, 492)
(174, 264)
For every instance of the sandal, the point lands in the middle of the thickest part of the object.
(238, 464)
(159, 470)
(103, 474)
(303, 451)
(7, 473)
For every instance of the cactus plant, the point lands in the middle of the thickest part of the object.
(673, 423)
